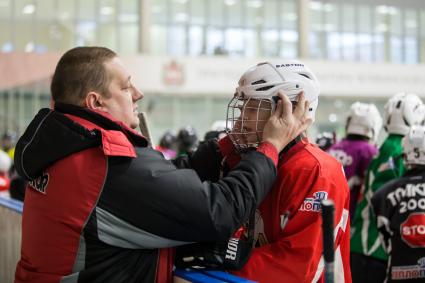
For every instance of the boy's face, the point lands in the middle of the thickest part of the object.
(248, 128)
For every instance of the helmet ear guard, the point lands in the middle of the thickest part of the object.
(414, 146)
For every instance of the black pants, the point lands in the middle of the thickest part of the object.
(366, 269)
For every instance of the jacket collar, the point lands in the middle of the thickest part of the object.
(54, 134)
(100, 119)
(299, 145)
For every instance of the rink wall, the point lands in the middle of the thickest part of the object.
(10, 237)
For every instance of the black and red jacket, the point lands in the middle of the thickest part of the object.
(102, 206)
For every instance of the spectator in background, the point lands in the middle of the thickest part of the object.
(357, 149)
(400, 209)
(187, 141)
(8, 143)
(167, 145)
(5, 164)
(325, 140)
(368, 258)
(16, 183)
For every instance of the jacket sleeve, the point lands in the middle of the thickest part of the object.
(167, 206)
(383, 212)
(206, 161)
(296, 254)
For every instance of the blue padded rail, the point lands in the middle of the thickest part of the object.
(196, 276)
(210, 276)
(227, 277)
(12, 204)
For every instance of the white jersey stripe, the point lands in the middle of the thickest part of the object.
(339, 266)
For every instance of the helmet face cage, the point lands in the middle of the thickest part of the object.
(325, 140)
(245, 120)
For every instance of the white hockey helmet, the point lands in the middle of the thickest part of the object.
(262, 82)
(364, 119)
(401, 112)
(414, 146)
(219, 126)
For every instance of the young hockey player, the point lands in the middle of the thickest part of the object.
(287, 233)
(400, 209)
(358, 148)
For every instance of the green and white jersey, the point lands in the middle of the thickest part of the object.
(387, 165)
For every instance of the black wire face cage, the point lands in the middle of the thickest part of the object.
(244, 121)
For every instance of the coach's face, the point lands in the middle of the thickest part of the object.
(122, 94)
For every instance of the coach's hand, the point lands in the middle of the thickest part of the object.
(285, 125)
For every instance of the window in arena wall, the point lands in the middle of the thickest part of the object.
(365, 33)
(411, 31)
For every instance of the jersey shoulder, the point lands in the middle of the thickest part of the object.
(312, 158)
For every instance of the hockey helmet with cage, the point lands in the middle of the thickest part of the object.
(262, 83)
(187, 139)
(414, 146)
(325, 140)
(168, 140)
(364, 120)
(402, 111)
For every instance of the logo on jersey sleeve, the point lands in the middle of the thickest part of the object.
(413, 230)
(340, 155)
(389, 165)
(315, 203)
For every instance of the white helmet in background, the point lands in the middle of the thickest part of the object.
(262, 82)
(401, 112)
(414, 146)
(364, 119)
(219, 126)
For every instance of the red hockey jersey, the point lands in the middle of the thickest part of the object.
(288, 222)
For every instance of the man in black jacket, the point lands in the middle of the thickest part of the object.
(102, 206)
